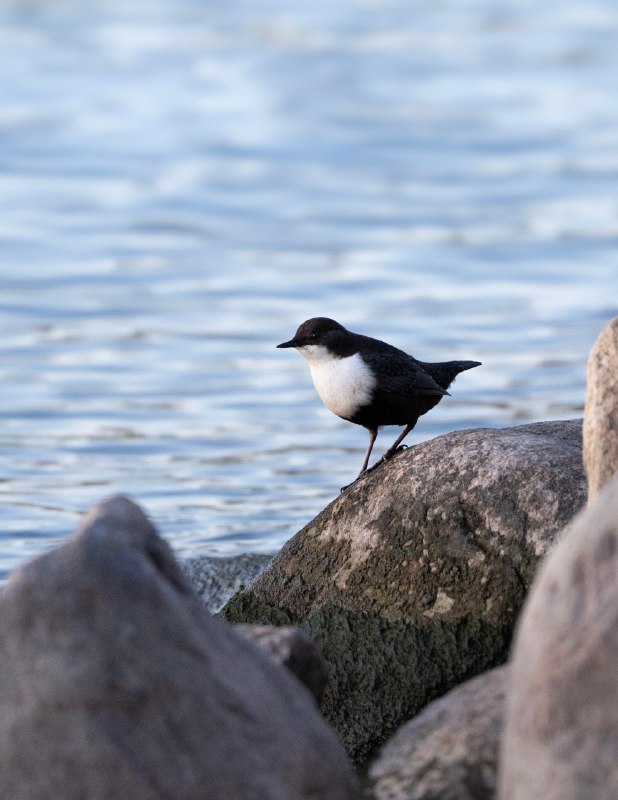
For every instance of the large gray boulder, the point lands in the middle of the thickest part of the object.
(450, 750)
(601, 413)
(116, 683)
(561, 727)
(412, 579)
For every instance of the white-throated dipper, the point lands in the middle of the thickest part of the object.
(369, 382)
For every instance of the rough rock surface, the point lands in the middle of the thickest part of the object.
(293, 649)
(601, 414)
(561, 724)
(116, 683)
(450, 750)
(411, 580)
(215, 579)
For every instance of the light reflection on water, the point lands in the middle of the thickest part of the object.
(181, 184)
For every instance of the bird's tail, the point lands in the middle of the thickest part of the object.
(445, 372)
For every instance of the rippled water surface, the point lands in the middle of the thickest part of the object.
(182, 183)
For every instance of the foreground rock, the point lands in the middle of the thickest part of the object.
(115, 683)
(561, 729)
(412, 579)
(601, 414)
(450, 750)
(215, 579)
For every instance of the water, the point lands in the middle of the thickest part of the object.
(182, 183)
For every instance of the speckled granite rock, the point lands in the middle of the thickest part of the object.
(412, 579)
(561, 724)
(601, 413)
(216, 579)
(450, 750)
(116, 683)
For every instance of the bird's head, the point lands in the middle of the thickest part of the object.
(316, 336)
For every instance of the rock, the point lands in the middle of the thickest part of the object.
(215, 579)
(601, 413)
(116, 683)
(561, 723)
(412, 579)
(293, 649)
(450, 750)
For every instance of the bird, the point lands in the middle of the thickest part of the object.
(369, 382)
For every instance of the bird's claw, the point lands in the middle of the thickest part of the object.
(390, 453)
(364, 472)
(386, 457)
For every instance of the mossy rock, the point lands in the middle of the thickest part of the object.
(412, 579)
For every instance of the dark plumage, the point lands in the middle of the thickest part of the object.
(370, 382)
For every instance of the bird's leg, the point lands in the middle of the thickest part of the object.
(389, 453)
(373, 432)
(393, 448)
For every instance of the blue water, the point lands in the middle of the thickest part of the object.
(182, 183)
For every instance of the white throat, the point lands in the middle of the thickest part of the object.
(343, 384)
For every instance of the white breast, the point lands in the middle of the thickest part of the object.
(343, 384)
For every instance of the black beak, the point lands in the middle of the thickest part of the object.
(291, 343)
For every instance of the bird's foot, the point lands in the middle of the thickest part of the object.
(378, 463)
(392, 452)
(386, 457)
(360, 475)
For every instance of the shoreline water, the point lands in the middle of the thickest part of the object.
(182, 185)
